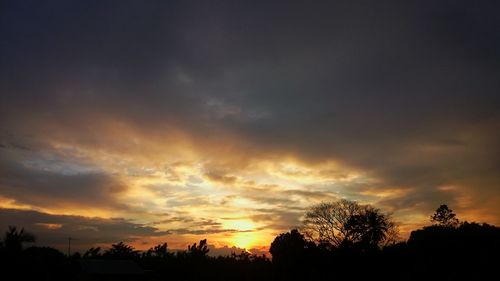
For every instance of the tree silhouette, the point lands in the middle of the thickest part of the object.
(121, 251)
(292, 255)
(14, 239)
(289, 246)
(159, 251)
(371, 227)
(444, 217)
(468, 251)
(92, 253)
(344, 223)
(199, 250)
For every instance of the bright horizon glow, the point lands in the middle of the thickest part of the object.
(245, 240)
(234, 202)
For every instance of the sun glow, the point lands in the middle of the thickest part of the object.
(244, 240)
(245, 237)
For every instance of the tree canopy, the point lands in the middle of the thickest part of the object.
(347, 223)
(444, 216)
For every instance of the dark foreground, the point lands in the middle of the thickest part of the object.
(468, 252)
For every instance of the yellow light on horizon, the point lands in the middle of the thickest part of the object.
(244, 240)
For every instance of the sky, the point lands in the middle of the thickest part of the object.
(175, 121)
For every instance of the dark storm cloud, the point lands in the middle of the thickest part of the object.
(407, 92)
(43, 180)
(280, 219)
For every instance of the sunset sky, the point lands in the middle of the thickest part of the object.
(152, 121)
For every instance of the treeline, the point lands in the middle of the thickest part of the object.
(347, 241)
(158, 263)
(340, 240)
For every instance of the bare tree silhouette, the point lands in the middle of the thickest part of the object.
(344, 223)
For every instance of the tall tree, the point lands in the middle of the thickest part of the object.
(444, 216)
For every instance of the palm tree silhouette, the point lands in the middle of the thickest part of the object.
(14, 239)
